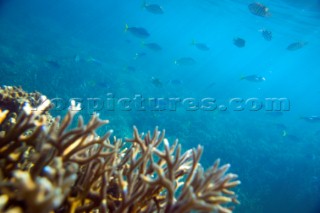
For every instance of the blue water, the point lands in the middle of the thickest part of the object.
(79, 49)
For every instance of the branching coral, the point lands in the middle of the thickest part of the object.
(56, 168)
(13, 99)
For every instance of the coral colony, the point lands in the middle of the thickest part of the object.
(47, 166)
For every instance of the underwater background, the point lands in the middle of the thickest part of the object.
(97, 49)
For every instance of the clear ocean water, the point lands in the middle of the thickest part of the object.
(204, 70)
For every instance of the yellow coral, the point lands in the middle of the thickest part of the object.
(3, 115)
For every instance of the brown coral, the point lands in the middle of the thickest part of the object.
(61, 170)
(13, 99)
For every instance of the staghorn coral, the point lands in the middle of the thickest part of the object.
(56, 168)
(13, 99)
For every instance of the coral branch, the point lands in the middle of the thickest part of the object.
(47, 166)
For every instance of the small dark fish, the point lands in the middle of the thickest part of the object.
(53, 64)
(239, 42)
(153, 46)
(137, 31)
(153, 8)
(139, 55)
(156, 82)
(201, 46)
(266, 34)
(259, 9)
(311, 119)
(185, 61)
(253, 78)
(296, 45)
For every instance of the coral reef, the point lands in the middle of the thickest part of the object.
(52, 167)
(13, 99)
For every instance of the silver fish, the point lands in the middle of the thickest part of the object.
(253, 78)
(153, 8)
